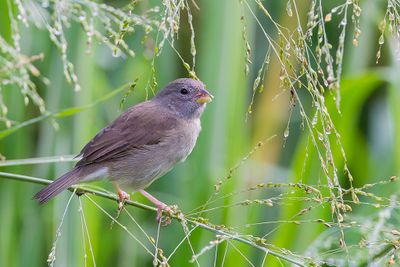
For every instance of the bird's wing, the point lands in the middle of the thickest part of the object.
(142, 125)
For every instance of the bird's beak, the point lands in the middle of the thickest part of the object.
(203, 97)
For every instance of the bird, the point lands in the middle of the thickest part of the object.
(142, 144)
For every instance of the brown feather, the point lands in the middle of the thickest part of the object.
(140, 126)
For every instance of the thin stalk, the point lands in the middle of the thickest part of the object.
(80, 189)
(63, 113)
(109, 195)
(390, 248)
(41, 160)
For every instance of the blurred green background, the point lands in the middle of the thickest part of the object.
(369, 125)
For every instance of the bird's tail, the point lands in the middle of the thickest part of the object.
(56, 187)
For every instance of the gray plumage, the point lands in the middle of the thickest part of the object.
(143, 143)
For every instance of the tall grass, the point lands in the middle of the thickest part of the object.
(296, 151)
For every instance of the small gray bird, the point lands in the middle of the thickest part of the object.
(142, 144)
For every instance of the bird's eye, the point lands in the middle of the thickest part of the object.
(184, 91)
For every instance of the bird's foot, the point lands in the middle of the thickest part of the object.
(161, 207)
(122, 197)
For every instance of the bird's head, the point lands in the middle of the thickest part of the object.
(186, 97)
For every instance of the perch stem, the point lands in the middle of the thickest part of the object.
(81, 189)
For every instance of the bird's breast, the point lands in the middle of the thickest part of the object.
(185, 139)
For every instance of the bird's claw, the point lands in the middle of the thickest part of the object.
(160, 209)
(122, 197)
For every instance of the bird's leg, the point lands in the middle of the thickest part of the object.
(122, 196)
(160, 205)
